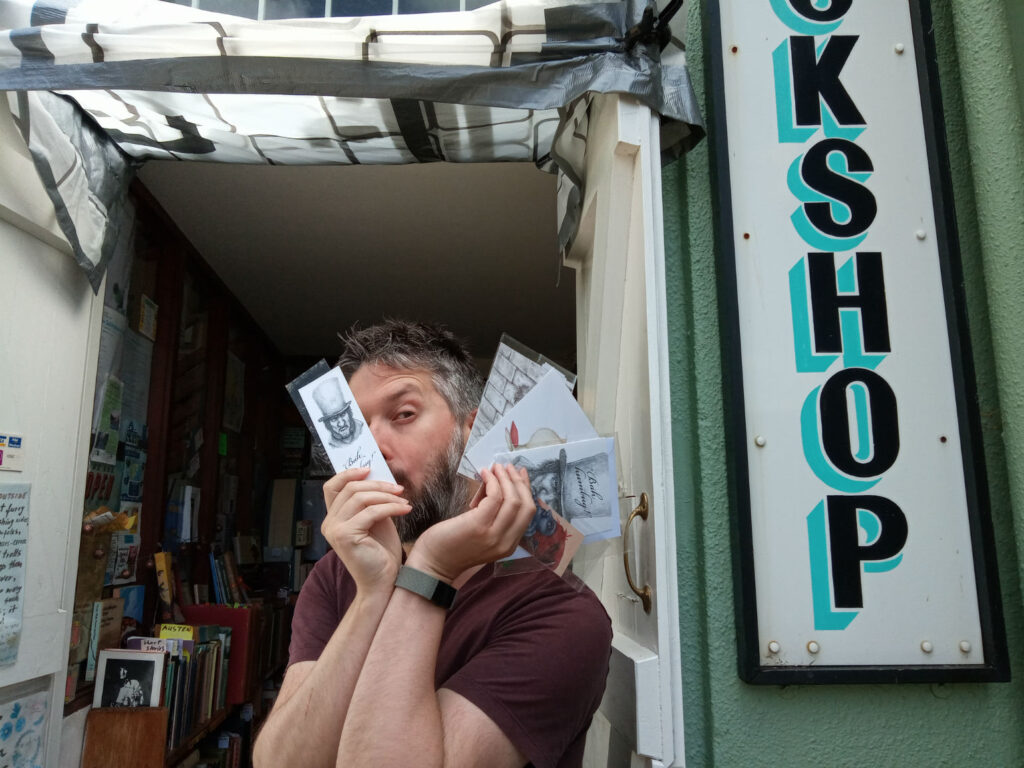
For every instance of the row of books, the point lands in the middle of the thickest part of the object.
(228, 585)
(195, 678)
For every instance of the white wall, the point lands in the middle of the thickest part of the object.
(49, 332)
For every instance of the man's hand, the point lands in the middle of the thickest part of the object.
(489, 530)
(358, 526)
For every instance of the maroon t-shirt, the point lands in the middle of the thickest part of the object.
(528, 648)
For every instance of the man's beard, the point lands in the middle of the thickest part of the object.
(444, 493)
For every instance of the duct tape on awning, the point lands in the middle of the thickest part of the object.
(160, 80)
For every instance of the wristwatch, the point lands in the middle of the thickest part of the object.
(425, 585)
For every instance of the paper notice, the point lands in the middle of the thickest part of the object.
(12, 452)
(23, 728)
(14, 498)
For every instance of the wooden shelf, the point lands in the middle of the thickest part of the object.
(182, 751)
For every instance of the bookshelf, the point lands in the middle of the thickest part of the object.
(212, 422)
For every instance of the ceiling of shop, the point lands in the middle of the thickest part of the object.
(311, 250)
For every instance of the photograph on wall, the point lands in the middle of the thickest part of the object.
(128, 678)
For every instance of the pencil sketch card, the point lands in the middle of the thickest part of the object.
(576, 481)
(547, 414)
(333, 416)
(515, 371)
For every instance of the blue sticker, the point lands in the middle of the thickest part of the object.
(15, 442)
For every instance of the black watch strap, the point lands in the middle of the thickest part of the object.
(425, 585)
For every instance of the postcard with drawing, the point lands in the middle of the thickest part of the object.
(546, 415)
(335, 416)
(515, 371)
(575, 480)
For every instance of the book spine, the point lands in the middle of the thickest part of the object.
(94, 641)
(233, 577)
(225, 593)
(165, 585)
(214, 579)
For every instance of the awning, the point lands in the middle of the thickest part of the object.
(143, 79)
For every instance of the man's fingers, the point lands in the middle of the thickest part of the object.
(353, 491)
(336, 483)
(353, 479)
(375, 513)
(508, 494)
(363, 498)
(522, 485)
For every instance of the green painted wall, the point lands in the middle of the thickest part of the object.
(1015, 17)
(730, 723)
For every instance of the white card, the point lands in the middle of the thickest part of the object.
(577, 480)
(547, 414)
(339, 423)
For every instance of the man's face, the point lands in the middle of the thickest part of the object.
(419, 438)
(341, 426)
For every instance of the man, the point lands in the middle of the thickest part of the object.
(130, 693)
(383, 674)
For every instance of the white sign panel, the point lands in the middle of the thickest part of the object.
(851, 433)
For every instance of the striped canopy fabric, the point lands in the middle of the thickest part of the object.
(99, 86)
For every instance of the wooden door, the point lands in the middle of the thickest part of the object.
(623, 387)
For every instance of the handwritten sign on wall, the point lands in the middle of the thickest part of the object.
(14, 498)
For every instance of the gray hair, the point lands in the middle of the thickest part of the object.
(414, 345)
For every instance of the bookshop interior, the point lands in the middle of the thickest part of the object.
(203, 495)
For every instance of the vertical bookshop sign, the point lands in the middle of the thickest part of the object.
(865, 551)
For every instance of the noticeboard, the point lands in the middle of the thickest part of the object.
(865, 551)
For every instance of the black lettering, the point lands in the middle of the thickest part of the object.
(835, 11)
(835, 422)
(816, 78)
(818, 176)
(826, 302)
(845, 551)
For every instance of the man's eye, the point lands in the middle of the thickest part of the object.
(402, 415)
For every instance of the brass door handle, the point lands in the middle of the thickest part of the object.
(645, 593)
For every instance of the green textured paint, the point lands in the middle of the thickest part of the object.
(1015, 19)
(727, 722)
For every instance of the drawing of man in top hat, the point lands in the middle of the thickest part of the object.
(337, 413)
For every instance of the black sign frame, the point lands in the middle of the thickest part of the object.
(996, 667)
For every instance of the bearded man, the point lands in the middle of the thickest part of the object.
(440, 661)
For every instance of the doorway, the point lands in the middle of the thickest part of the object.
(311, 250)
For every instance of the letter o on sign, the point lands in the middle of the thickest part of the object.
(835, 422)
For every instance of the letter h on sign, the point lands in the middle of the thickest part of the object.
(834, 315)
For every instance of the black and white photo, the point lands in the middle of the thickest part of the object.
(127, 678)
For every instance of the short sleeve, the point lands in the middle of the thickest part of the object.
(317, 612)
(542, 675)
